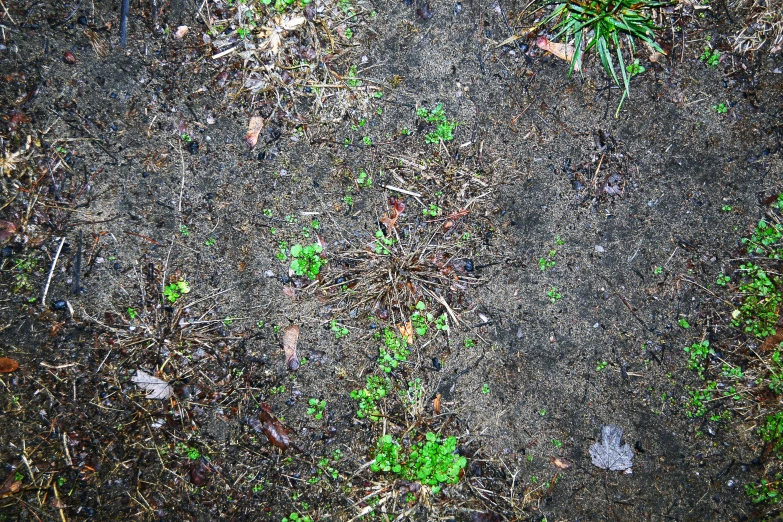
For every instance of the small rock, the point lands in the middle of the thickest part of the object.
(192, 147)
(60, 304)
(599, 249)
(69, 58)
(269, 273)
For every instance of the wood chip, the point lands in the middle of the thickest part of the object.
(290, 338)
(8, 365)
(436, 404)
(560, 463)
(253, 129)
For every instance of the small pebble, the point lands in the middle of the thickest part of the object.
(468, 265)
(599, 248)
(83, 20)
(192, 147)
(69, 58)
(269, 273)
(59, 304)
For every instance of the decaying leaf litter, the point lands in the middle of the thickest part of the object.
(235, 425)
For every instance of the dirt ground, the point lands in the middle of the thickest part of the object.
(565, 247)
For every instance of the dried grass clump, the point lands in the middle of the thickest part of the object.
(763, 26)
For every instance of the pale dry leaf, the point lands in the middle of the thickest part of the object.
(610, 454)
(290, 338)
(560, 463)
(155, 388)
(406, 332)
(253, 129)
(561, 50)
(289, 24)
(436, 404)
(182, 30)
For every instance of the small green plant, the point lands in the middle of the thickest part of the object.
(772, 432)
(601, 365)
(722, 280)
(348, 199)
(684, 323)
(351, 78)
(469, 343)
(363, 179)
(184, 231)
(383, 243)
(316, 408)
(444, 128)
(296, 517)
(766, 240)
(258, 488)
(338, 329)
(432, 462)
(545, 263)
(392, 352)
(242, 32)
(418, 320)
(696, 405)
(307, 261)
(554, 295)
(174, 291)
(376, 388)
(760, 309)
(726, 208)
(267, 212)
(228, 321)
(433, 210)
(710, 57)
(367, 140)
(485, 389)
(657, 270)
(132, 313)
(765, 491)
(720, 109)
(698, 353)
(209, 242)
(634, 68)
(600, 25)
(186, 138)
(542, 412)
(557, 443)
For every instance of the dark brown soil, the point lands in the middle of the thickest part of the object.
(538, 160)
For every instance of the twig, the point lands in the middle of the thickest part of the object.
(124, 22)
(402, 191)
(51, 272)
(182, 186)
(77, 268)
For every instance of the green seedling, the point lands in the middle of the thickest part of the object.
(684, 323)
(392, 352)
(601, 365)
(726, 208)
(698, 354)
(722, 280)
(174, 291)
(316, 408)
(765, 491)
(554, 295)
(469, 343)
(657, 270)
(760, 310)
(433, 210)
(444, 128)
(184, 231)
(363, 179)
(383, 243)
(720, 109)
(634, 68)
(485, 389)
(338, 329)
(432, 462)
(710, 57)
(557, 443)
(376, 388)
(306, 260)
(132, 313)
(367, 140)
(351, 78)
(186, 138)
(348, 199)
(209, 242)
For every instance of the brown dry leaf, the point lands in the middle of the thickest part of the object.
(7, 231)
(397, 208)
(253, 129)
(289, 24)
(561, 50)
(289, 291)
(436, 404)
(10, 485)
(8, 365)
(273, 428)
(182, 30)
(406, 332)
(560, 463)
(290, 338)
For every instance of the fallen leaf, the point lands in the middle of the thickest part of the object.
(253, 129)
(8, 365)
(436, 404)
(561, 50)
(560, 463)
(273, 428)
(7, 231)
(406, 332)
(289, 291)
(609, 453)
(10, 485)
(155, 388)
(390, 220)
(289, 24)
(182, 30)
(198, 473)
(290, 338)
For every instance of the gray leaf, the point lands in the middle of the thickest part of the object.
(155, 388)
(609, 453)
